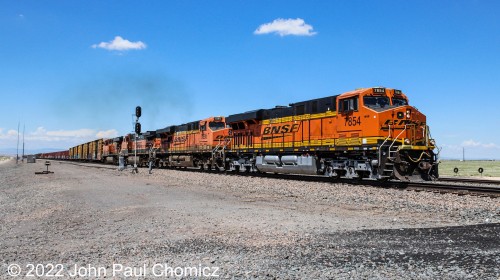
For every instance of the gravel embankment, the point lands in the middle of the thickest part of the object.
(246, 227)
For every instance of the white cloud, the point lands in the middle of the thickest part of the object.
(107, 133)
(85, 132)
(285, 27)
(12, 132)
(64, 135)
(472, 143)
(42, 138)
(473, 150)
(41, 134)
(120, 44)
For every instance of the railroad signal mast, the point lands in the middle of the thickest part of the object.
(138, 112)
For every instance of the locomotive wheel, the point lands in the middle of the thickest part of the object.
(383, 180)
(207, 166)
(336, 176)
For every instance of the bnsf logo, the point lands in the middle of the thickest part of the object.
(402, 122)
(287, 128)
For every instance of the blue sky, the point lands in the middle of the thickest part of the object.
(72, 71)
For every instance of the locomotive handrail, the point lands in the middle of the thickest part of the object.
(392, 144)
(395, 139)
(382, 145)
(227, 140)
(427, 135)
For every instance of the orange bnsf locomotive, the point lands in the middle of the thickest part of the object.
(200, 144)
(366, 133)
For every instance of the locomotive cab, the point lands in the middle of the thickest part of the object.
(402, 137)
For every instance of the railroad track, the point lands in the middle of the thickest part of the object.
(459, 188)
(467, 187)
(470, 180)
(456, 185)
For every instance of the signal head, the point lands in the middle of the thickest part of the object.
(138, 111)
(138, 127)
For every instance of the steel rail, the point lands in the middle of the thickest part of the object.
(469, 180)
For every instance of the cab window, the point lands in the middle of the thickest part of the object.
(348, 104)
(216, 125)
(376, 101)
(399, 101)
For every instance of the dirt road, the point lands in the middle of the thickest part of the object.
(104, 222)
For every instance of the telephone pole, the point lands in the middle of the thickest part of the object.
(24, 128)
(17, 149)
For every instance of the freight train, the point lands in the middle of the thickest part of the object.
(370, 133)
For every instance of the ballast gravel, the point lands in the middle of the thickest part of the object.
(243, 227)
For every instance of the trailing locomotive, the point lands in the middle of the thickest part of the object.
(366, 133)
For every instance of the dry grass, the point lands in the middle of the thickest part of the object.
(470, 168)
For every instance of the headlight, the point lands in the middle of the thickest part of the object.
(407, 141)
(432, 142)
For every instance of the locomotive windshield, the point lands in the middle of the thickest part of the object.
(376, 101)
(216, 125)
(399, 101)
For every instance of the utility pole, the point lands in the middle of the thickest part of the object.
(17, 149)
(463, 153)
(24, 128)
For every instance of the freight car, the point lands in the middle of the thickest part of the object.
(90, 151)
(366, 133)
(61, 155)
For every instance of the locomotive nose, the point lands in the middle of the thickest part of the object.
(404, 113)
(409, 114)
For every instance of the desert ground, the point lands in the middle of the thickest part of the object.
(177, 224)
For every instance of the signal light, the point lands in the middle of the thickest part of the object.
(138, 111)
(138, 127)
